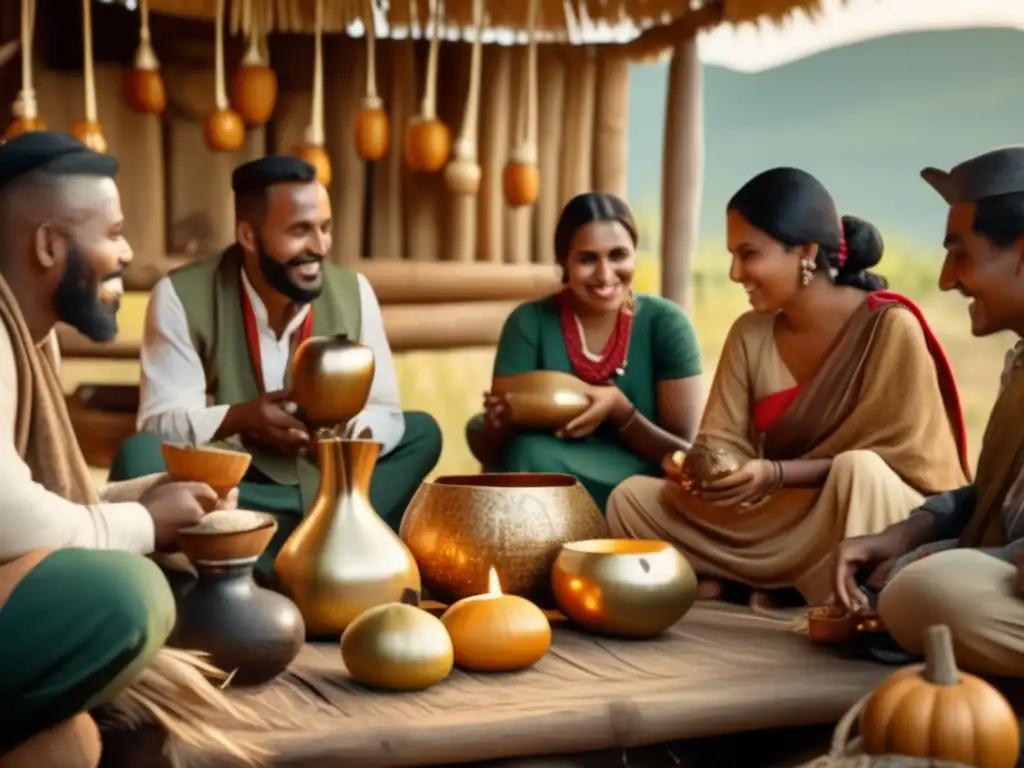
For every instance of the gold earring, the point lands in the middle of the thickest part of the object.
(629, 304)
(807, 268)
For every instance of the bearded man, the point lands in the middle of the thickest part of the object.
(955, 560)
(82, 614)
(219, 339)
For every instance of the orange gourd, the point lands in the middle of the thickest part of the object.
(224, 130)
(521, 178)
(936, 711)
(142, 86)
(373, 132)
(521, 183)
(90, 133)
(22, 125)
(494, 632)
(316, 156)
(426, 145)
(255, 86)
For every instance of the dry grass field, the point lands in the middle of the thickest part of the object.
(450, 385)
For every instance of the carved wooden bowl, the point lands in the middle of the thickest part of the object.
(220, 469)
(545, 400)
(459, 527)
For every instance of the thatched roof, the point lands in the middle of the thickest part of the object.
(574, 20)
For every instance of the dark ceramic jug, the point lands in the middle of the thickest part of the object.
(246, 629)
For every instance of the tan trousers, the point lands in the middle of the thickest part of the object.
(975, 595)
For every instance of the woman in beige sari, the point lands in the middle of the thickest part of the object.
(832, 395)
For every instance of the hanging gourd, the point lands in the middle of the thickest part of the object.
(312, 149)
(372, 130)
(255, 86)
(427, 140)
(143, 85)
(462, 174)
(521, 179)
(936, 711)
(224, 130)
(89, 131)
(25, 108)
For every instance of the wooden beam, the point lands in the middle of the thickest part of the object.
(409, 327)
(658, 40)
(401, 281)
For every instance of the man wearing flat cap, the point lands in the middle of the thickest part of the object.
(219, 339)
(954, 560)
(82, 612)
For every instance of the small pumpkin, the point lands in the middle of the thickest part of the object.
(254, 87)
(398, 647)
(224, 130)
(90, 133)
(495, 632)
(934, 711)
(316, 156)
(706, 463)
(22, 125)
(521, 183)
(426, 145)
(372, 130)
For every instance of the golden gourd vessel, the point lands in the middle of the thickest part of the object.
(460, 527)
(623, 587)
(343, 558)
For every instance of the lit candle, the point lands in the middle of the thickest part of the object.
(495, 632)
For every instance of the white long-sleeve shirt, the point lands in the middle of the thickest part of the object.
(173, 401)
(33, 518)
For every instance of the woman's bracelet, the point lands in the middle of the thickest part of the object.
(779, 477)
(629, 419)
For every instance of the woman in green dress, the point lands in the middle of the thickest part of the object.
(644, 383)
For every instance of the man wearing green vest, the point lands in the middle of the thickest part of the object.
(219, 337)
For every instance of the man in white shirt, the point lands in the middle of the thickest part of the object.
(218, 343)
(78, 618)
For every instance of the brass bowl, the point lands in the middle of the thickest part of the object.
(330, 380)
(459, 527)
(543, 399)
(220, 469)
(205, 546)
(623, 587)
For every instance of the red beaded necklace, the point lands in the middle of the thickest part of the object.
(613, 356)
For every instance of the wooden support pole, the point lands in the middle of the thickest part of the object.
(611, 123)
(682, 172)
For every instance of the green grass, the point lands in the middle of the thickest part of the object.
(450, 385)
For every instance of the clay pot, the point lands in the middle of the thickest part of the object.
(250, 631)
(705, 463)
(331, 378)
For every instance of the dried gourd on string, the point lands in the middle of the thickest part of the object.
(312, 149)
(372, 129)
(224, 130)
(462, 174)
(89, 131)
(255, 83)
(427, 141)
(521, 178)
(25, 108)
(143, 87)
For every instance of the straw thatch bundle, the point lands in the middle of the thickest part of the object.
(175, 693)
(555, 18)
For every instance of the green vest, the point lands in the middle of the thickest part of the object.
(210, 291)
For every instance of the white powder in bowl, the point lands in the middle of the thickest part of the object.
(229, 521)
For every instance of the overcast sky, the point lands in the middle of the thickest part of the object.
(751, 48)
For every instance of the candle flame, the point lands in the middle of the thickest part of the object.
(493, 583)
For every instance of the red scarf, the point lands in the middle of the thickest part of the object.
(252, 336)
(613, 356)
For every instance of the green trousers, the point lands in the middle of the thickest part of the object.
(596, 461)
(75, 632)
(395, 479)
